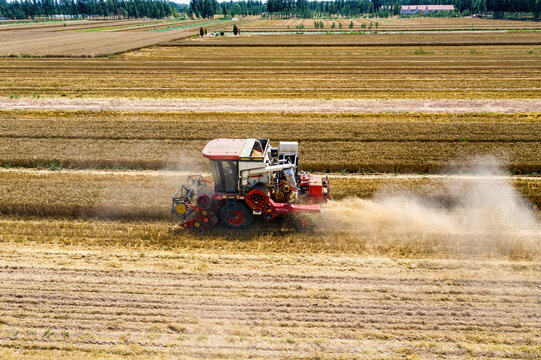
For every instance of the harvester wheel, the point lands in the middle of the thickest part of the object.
(242, 220)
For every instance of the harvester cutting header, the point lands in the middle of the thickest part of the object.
(250, 178)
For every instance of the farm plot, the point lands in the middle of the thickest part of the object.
(359, 142)
(391, 24)
(487, 72)
(95, 39)
(67, 25)
(375, 39)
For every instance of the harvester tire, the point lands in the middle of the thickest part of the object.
(242, 221)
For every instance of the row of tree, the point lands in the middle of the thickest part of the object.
(209, 8)
(304, 8)
(21, 9)
(24, 9)
(479, 6)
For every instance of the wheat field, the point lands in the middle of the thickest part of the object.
(320, 72)
(429, 249)
(393, 143)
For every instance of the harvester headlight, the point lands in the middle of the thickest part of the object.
(286, 188)
(180, 208)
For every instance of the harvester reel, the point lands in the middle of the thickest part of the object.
(195, 193)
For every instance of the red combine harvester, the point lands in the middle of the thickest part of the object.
(250, 178)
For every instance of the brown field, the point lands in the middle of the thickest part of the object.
(377, 39)
(58, 26)
(482, 72)
(408, 142)
(94, 38)
(393, 24)
(404, 264)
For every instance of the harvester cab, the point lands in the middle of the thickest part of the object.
(250, 177)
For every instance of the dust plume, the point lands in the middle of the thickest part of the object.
(482, 201)
(146, 194)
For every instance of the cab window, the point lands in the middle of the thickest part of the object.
(225, 174)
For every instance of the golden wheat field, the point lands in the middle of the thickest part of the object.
(430, 248)
(383, 72)
(394, 143)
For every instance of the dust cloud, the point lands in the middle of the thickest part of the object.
(144, 194)
(482, 202)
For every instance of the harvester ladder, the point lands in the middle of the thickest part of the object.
(231, 208)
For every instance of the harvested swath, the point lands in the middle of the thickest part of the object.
(65, 302)
(319, 72)
(274, 238)
(329, 142)
(148, 196)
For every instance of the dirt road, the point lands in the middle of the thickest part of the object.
(181, 174)
(276, 105)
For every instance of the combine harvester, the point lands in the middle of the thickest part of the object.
(250, 178)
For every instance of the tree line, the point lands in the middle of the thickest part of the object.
(352, 8)
(25, 9)
(309, 9)
(22, 9)
(209, 8)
